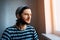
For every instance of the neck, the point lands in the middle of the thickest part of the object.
(21, 27)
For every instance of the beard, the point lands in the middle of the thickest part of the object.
(21, 22)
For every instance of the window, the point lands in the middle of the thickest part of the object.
(56, 16)
(52, 16)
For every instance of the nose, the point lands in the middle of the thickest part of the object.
(29, 16)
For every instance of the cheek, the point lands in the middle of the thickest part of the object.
(25, 17)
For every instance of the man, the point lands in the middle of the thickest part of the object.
(22, 30)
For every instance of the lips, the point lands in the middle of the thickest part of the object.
(28, 19)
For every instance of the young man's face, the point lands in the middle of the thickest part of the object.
(26, 15)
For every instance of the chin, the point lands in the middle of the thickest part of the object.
(28, 22)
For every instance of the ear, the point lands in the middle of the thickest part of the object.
(17, 16)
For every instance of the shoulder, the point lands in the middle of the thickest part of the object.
(8, 29)
(11, 27)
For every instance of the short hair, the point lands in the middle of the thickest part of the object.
(21, 9)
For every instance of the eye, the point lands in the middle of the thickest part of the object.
(25, 14)
(28, 14)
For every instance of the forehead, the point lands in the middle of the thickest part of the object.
(27, 11)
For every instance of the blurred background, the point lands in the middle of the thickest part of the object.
(45, 18)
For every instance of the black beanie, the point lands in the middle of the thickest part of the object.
(21, 9)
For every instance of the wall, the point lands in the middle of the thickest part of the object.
(41, 18)
(2, 17)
